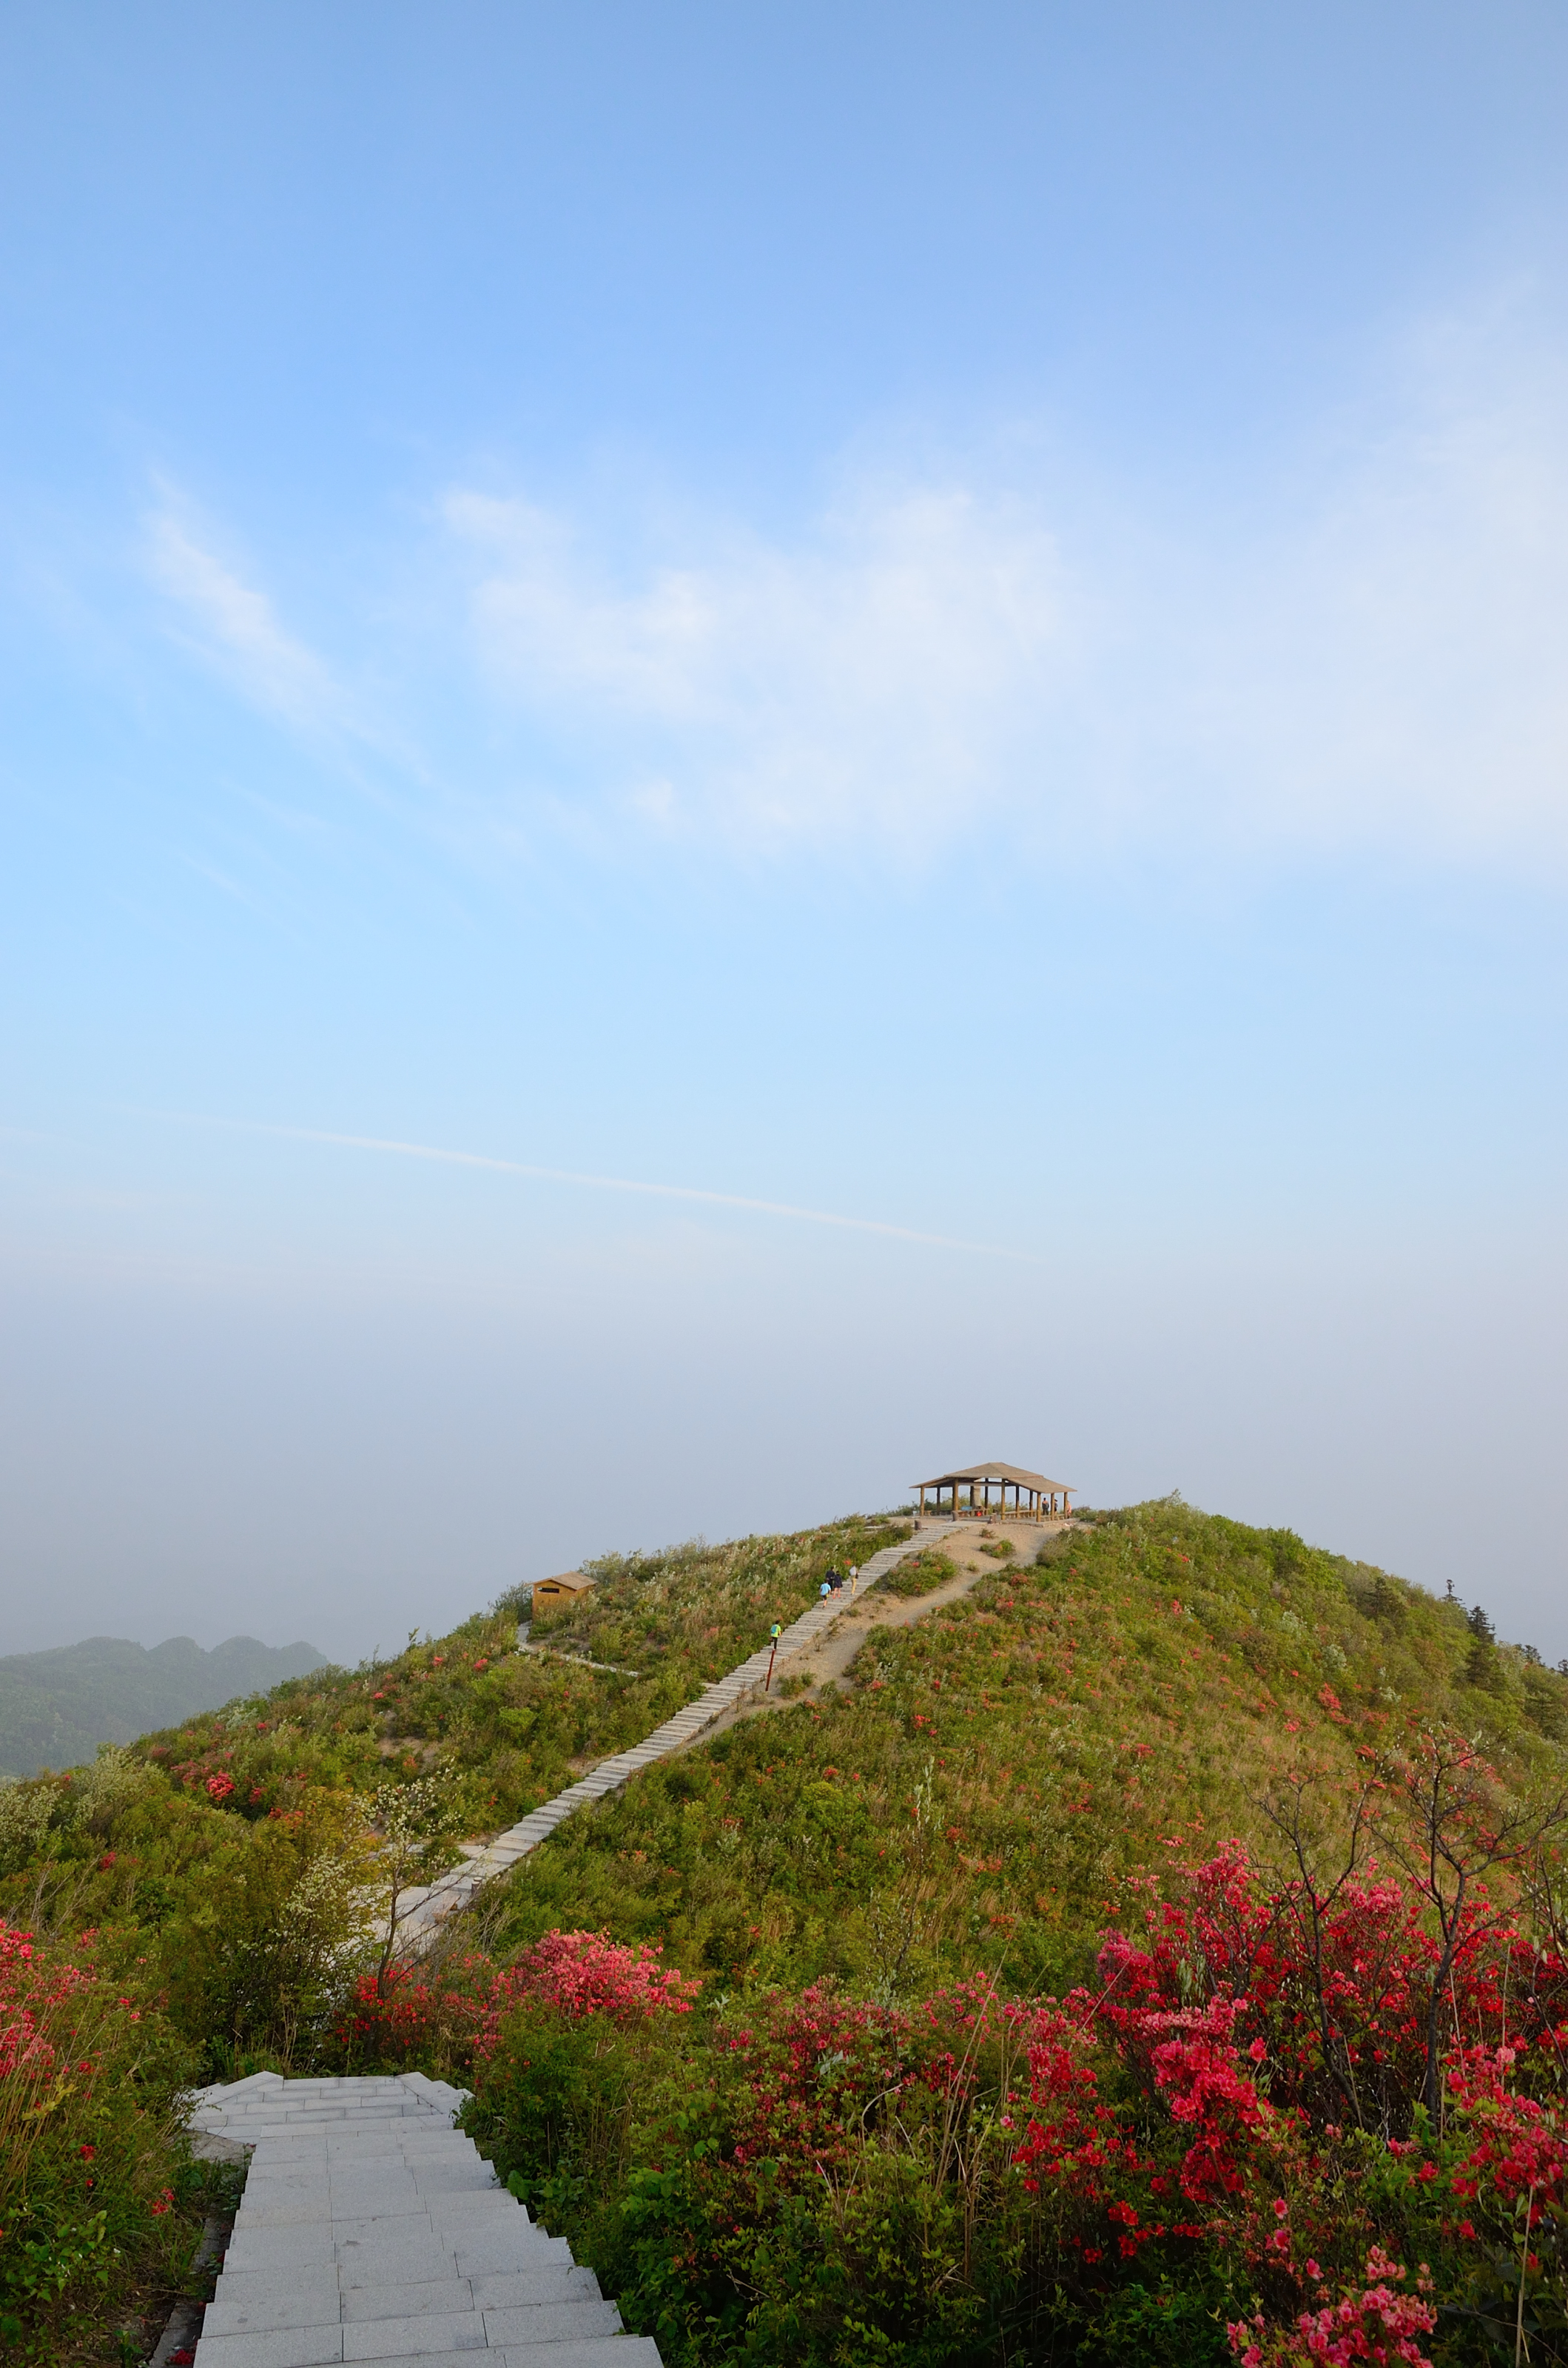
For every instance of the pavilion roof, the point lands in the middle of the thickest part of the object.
(996, 1472)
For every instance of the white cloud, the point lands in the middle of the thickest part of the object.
(1368, 654)
(1364, 654)
(1393, 671)
(235, 625)
(875, 680)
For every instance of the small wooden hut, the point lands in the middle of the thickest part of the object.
(565, 1582)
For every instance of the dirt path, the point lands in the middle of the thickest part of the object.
(819, 1646)
(826, 1661)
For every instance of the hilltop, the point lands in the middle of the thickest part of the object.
(56, 1707)
(976, 1806)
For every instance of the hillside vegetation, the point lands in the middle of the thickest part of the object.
(1127, 1952)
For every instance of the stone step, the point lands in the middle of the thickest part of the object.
(390, 2241)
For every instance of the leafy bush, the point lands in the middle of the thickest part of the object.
(89, 2165)
(1166, 2152)
(920, 1574)
(944, 2094)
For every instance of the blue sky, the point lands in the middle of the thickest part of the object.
(948, 618)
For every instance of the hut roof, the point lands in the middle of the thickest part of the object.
(574, 1581)
(1008, 1471)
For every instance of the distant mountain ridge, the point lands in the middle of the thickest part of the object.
(57, 1707)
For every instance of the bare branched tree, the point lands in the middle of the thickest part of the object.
(1313, 1895)
(1460, 1828)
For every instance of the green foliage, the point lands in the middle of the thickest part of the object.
(97, 2195)
(670, 2154)
(976, 1803)
(556, 2099)
(921, 1574)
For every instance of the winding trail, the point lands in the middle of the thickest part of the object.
(429, 1906)
(370, 2228)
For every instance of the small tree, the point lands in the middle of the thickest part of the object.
(318, 1942)
(1311, 1898)
(415, 1822)
(1483, 1668)
(1461, 1828)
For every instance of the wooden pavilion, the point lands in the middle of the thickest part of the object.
(968, 1493)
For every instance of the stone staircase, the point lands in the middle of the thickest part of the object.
(370, 2229)
(423, 1909)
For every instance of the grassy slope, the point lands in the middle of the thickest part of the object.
(138, 1846)
(975, 1793)
(991, 1777)
(975, 1796)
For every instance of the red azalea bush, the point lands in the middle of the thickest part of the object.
(1282, 2046)
(87, 2079)
(1372, 2320)
(1225, 2131)
(574, 1974)
(447, 2021)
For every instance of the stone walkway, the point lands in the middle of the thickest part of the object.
(370, 2229)
(425, 1909)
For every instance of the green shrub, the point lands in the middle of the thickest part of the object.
(90, 2162)
(920, 1574)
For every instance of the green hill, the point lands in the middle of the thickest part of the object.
(57, 1707)
(1063, 1982)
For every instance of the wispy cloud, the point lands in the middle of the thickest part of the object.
(1362, 655)
(1388, 668)
(1366, 652)
(234, 624)
(879, 678)
(692, 1192)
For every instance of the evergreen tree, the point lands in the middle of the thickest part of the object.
(1388, 1603)
(1483, 1668)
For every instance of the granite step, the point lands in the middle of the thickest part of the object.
(385, 2235)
